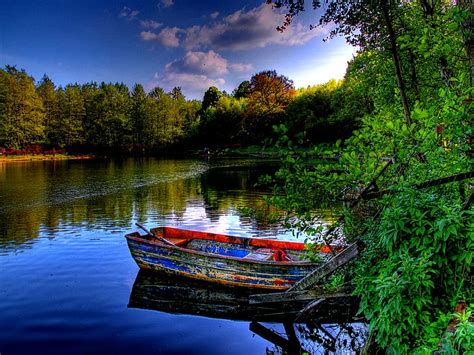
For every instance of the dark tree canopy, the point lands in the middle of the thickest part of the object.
(242, 90)
(211, 97)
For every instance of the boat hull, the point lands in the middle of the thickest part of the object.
(217, 268)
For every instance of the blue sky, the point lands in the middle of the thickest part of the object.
(166, 43)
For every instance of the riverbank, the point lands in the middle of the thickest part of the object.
(40, 157)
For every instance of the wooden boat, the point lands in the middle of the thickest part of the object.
(223, 259)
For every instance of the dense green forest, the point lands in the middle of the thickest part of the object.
(405, 174)
(111, 117)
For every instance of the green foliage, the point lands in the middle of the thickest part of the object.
(242, 91)
(109, 116)
(459, 341)
(67, 129)
(464, 333)
(335, 282)
(419, 241)
(47, 92)
(222, 123)
(105, 116)
(211, 97)
(326, 112)
(21, 109)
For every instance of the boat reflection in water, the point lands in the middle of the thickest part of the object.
(332, 327)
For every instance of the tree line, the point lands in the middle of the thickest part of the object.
(91, 115)
(111, 117)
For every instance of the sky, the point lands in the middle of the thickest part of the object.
(166, 43)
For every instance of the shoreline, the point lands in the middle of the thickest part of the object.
(41, 157)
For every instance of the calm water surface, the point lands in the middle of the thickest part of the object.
(66, 274)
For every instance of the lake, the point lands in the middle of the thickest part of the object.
(69, 285)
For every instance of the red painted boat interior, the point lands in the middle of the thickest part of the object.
(181, 237)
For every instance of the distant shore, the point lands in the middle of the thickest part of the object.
(42, 157)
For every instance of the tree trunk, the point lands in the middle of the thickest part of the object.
(396, 61)
(468, 27)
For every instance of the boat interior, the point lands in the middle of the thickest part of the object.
(224, 245)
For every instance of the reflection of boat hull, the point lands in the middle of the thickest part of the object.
(183, 296)
(220, 258)
(166, 294)
(160, 292)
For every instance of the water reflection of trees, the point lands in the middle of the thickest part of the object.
(45, 196)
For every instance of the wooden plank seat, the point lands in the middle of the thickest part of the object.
(179, 242)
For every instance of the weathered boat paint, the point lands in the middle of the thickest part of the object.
(222, 263)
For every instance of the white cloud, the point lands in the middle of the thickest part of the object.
(248, 29)
(166, 3)
(150, 24)
(148, 36)
(128, 14)
(241, 30)
(167, 37)
(241, 68)
(196, 72)
(214, 15)
(207, 63)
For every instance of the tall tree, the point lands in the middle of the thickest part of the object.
(242, 91)
(70, 130)
(110, 126)
(269, 93)
(138, 112)
(21, 109)
(177, 94)
(211, 96)
(47, 92)
(468, 27)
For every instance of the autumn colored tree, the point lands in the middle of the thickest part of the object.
(269, 95)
